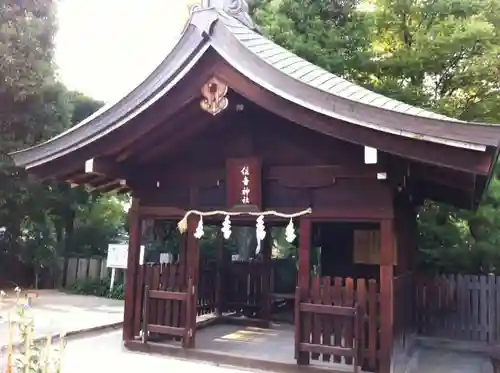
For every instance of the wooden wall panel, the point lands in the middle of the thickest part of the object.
(212, 196)
(296, 168)
(165, 196)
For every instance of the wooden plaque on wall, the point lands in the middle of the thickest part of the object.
(244, 182)
(367, 247)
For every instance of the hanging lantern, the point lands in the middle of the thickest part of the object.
(226, 227)
(261, 229)
(290, 232)
(199, 229)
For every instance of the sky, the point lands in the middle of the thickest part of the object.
(106, 47)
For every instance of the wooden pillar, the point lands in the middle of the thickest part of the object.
(304, 270)
(183, 257)
(183, 277)
(219, 281)
(131, 291)
(193, 262)
(386, 293)
(266, 280)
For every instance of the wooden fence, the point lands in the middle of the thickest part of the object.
(78, 269)
(465, 307)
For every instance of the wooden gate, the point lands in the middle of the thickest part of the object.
(335, 321)
(168, 297)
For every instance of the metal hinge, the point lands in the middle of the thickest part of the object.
(190, 333)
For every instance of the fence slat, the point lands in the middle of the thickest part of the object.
(337, 299)
(327, 323)
(475, 308)
(372, 323)
(71, 270)
(316, 329)
(469, 319)
(460, 307)
(491, 308)
(94, 269)
(361, 301)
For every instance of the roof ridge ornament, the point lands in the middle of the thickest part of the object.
(238, 9)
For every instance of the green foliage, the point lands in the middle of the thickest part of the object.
(98, 288)
(330, 34)
(96, 225)
(437, 54)
(46, 220)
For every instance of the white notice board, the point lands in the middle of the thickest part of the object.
(118, 254)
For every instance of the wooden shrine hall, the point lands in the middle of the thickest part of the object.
(233, 131)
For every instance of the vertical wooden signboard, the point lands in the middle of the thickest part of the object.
(244, 183)
(367, 247)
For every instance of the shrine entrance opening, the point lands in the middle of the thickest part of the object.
(209, 291)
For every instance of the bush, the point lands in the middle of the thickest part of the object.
(98, 288)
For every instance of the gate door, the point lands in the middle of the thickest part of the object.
(168, 298)
(335, 332)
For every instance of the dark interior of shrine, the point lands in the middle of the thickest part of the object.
(336, 243)
(242, 265)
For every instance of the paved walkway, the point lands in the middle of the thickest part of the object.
(104, 353)
(55, 312)
(444, 361)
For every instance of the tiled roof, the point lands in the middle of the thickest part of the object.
(316, 77)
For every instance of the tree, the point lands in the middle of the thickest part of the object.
(40, 220)
(438, 54)
(31, 100)
(332, 34)
(442, 55)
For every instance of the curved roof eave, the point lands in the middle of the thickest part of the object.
(233, 42)
(185, 53)
(229, 41)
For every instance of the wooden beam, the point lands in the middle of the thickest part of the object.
(193, 260)
(316, 176)
(440, 193)
(341, 213)
(80, 178)
(132, 272)
(303, 281)
(110, 185)
(442, 176)
(312, 176)
(386, 293)
(106, 167)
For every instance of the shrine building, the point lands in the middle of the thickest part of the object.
(233, 131)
